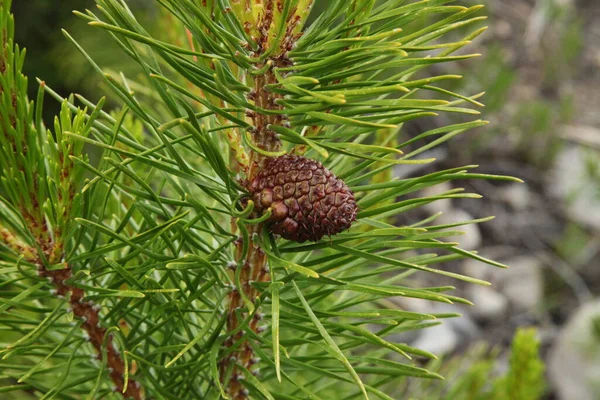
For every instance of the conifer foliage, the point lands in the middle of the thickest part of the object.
(156, 267)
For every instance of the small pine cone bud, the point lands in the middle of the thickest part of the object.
(306, 199)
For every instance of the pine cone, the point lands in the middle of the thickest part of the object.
(306, 199)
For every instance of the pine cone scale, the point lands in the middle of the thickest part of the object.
(306, 200)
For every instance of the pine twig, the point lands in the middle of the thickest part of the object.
(88, 312)
(254, 265)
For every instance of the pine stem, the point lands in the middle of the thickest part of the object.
(88, 312)
(254, 264)
(254, 268)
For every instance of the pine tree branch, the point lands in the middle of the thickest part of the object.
(253, 265)
(254, 79)
(88, 312)
(31, 186)
(253, 268)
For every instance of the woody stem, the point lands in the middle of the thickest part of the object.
(87, 311)
(253, 264)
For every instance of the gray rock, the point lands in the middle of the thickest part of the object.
(582, 134)
(516, 195)
(574, 360)
(488, 305)
(477, 269)
(444, 205)
(570, 183)
(522, 284)
(471, 240)
(503, 29)
(449, 334)
(440, 339)
(464, 325)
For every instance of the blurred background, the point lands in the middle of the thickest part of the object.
(541, 71)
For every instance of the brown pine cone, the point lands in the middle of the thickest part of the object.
(306, 199)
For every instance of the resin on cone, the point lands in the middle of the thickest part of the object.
(307, 201)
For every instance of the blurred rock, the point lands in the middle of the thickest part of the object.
(516, 195)
(582, 134)
(440, 339)
(444, 205)
(522, 284)
(414, 305)
(502, 29)
(464, 325)
(489, 305)
(471, 240)
(477, 269)
(574, 360)
(570, 184)
(449, 334)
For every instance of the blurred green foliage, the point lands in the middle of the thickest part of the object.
(478, 375)
(525, 377)
(529, 80)
(51, 58)
(499, 75)
(559, 56)
(38, 29)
